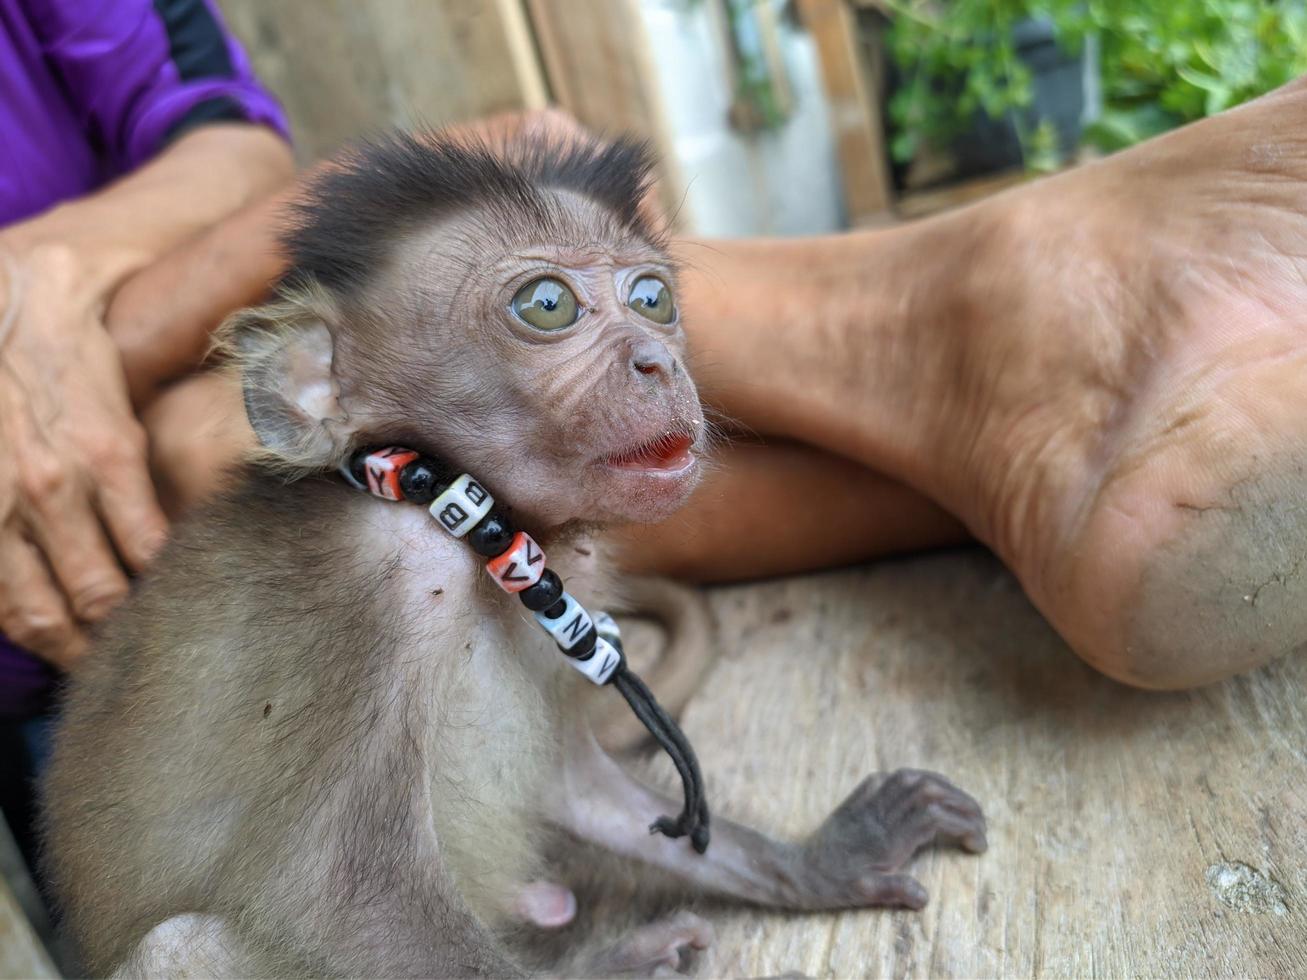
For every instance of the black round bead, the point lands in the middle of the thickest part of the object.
(420, 482)
(585, 647)
(358, 467)
(492, 535)
(544, 594)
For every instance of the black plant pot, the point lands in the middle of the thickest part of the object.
(1065, 94)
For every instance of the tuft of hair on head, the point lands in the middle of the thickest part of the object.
(382, 188)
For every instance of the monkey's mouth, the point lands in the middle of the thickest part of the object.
(668, 453)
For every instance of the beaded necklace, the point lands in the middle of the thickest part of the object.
(590, 644)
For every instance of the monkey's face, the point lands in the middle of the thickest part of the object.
(548, 361)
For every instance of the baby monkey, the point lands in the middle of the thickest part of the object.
(318, 740)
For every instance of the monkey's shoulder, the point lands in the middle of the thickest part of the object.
(309, 561)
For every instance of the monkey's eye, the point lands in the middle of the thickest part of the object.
(651, 298)
(546, 304)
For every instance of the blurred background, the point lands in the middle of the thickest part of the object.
(786, 116)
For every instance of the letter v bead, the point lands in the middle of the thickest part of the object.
(520, 566)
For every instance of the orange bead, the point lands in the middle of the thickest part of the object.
(520, 566)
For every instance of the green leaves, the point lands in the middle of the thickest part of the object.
(1163, 63)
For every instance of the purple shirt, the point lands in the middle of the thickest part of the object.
(90, 90)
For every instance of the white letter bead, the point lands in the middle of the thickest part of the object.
(462, 506)
(568, 628)
(601, 663)
(607, 627)
(520, 566)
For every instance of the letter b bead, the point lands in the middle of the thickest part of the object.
(520, 566)
(460, 507)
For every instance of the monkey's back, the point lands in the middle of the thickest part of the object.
(249, 697)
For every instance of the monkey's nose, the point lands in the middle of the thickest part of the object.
(650, 358)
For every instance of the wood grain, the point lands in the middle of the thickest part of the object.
(854, 109)
(343, 68)
(597, 58)
(21, 953)
(1131, 834)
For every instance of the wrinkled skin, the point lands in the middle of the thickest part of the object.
(336, 742)
(612, 381)
(1100, 373)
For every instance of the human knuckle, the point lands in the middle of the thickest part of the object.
(37, 627)
(119, 449)
(555, 119)
(55, 262)
(94, 596)
(41, 477)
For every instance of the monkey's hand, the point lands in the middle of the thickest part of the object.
(854, 857)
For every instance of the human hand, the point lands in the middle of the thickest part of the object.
(76, 500)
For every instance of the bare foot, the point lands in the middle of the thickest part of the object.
(854, 858)
(663, 948)
(1102, 374)
(1144, 458)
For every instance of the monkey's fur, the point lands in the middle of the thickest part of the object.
(318, 739)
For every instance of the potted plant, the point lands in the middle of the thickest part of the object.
(993, 84)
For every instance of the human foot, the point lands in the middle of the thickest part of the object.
(1142, 457)
(1100, 373)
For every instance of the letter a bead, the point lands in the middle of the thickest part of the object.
(460, 507)
(520, 566)
(601, 665)
(569, 626)
(381, 470)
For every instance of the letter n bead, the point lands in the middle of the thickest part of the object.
(520, 566)
(571, 624)
(461, 506)
(381, 470)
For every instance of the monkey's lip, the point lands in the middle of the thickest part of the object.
(671, 452)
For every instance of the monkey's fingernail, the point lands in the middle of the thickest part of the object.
(544, 904)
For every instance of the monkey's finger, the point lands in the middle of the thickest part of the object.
(33, 612)
(74, 543)
(893, 891)
(912, 789)
(939, 824)
(129, 505)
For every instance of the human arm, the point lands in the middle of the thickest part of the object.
(76, 500)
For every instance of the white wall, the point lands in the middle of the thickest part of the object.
(779, 182)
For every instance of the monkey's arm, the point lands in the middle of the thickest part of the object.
(852, 859)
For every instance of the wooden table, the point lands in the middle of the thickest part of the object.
(1131, 834)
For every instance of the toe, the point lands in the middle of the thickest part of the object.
(892, 891)
(665, 948)
(940, 824)
(927, 788)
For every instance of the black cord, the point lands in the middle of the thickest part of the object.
(693, 818)
(422, 479)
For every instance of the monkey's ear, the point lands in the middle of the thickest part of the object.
(291, 396)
